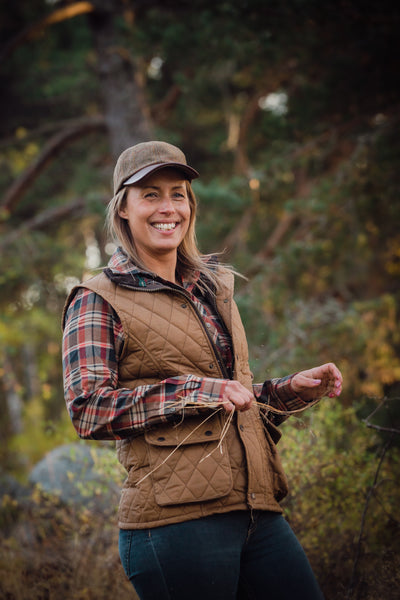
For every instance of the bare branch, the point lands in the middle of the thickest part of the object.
(372, 488)
(15, 192)
(61, 14)
(238, 233)
(368, 423)
(44, 129)
(252, 110)
(278, 233)
(384, 429)
(50, 215)
(364, 516)
(162, 109)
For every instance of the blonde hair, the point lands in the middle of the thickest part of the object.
(189, 258)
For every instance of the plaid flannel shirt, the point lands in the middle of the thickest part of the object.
(100, 409)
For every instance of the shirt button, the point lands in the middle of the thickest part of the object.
(208, 324)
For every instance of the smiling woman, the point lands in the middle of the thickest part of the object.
(158, 213)
(155, 356)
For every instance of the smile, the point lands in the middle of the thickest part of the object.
(165, 226)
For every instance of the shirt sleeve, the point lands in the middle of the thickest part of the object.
(93, 341)
(278, 395)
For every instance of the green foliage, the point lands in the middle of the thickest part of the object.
(233, 196)
(44, 433)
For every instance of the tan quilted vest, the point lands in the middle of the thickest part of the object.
(181, 472)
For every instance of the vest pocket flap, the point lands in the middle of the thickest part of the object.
(187, 464)
(192, 431)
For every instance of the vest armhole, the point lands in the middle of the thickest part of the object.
(124, 347)
(105, 288)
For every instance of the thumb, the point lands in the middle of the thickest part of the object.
(301, 381)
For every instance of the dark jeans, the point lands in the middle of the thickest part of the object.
(233, 556)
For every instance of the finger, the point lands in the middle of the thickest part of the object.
(332, 369)
(301, 382)
(228, 406)
(240, 401)
(239, 395)
(235, 401)
(337, 382)
(337, 390)
(329, 374)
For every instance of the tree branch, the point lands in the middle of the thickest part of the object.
(252, 109)
(61, 14)
(45, 129)
(364, 516)
(384, 429)
(372, 488)
(368, 423)
(15, 192)
(50, 215)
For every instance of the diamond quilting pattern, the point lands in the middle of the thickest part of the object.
(194, 473)
(155, 337)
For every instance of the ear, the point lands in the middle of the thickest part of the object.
(123, 213)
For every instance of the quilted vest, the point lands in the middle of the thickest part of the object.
(191, 469)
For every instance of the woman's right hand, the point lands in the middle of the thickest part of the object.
(236, 397)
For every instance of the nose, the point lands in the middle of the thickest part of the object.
(166, 205)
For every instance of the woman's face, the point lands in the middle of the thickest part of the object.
(158, 212)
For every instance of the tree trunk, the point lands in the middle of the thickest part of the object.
(126, 114)
(13, 402)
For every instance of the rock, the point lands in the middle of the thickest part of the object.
(80, 474)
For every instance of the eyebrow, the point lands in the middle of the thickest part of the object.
(156, 187)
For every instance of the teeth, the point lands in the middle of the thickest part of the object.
(165, 226)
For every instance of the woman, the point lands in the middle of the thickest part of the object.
(155, 356)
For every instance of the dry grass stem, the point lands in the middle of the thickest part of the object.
(223, 434)
(174, 450)
(180, 403)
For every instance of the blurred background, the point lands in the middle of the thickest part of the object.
(290, 111)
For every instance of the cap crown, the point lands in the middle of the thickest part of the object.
(143, 155)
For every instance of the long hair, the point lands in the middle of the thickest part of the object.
(189, 258)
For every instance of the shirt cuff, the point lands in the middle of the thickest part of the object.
(279, 393)
(209, 392)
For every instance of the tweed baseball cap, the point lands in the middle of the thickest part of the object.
(140, 160)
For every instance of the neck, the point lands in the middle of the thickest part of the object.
(164, 267)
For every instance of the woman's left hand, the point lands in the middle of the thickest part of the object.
(325, 380)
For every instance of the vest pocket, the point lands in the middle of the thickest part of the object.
(186, 462)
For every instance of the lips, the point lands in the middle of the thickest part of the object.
(165, 226)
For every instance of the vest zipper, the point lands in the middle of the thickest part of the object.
(181, 292)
